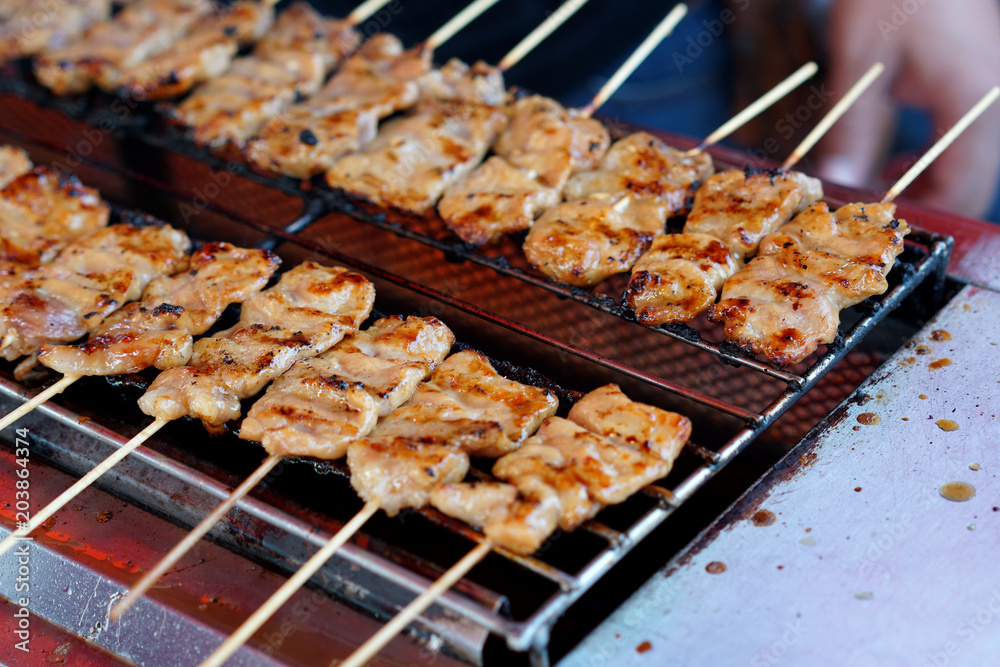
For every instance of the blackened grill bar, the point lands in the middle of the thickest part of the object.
(530, 631)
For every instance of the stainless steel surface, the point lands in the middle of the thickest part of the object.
(865, 563)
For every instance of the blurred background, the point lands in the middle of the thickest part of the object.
(941, 56)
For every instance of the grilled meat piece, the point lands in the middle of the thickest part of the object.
(586, 241)
(465, 408)
(787, 301)
(138, 32)
(35, 26)
(740, 208)
(13, 163)
(319, 405)
(159, 330)
(497, 198)
(679, 277)
(659, 178)
(414, 159)
(546, 139)
(204, 53)
(375, 82)
(291, 60)
(608, 448)
(42, 211)
(310, 309)
(149, 251)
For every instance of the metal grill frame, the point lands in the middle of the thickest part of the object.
(531, 635)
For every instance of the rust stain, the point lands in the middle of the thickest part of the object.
(643, 647)
(763, 518)
(59, 653)
(922, 349)
(940, 363)
(105, 516)
(940, 335)
(715, 567)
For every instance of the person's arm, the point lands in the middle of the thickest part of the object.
(939, 55)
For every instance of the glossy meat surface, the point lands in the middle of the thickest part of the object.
(320, 404)
(159, 330)
(310, 309)
(14, 162)
(35, 26)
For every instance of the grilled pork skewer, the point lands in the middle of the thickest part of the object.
(204, 53)
(90, 279)
(376, 82)
(787, 301)
(414, 160)
(613, 213)
(318, 405)
(35, 26)
(608, 448)
(41, 211)
(289, 63)
(681, 274)
(138, 32)
(310, 309)
(14, 162)
(464, 408)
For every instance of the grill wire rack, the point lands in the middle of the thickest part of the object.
(922, 266)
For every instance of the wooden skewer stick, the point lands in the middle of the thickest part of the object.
(365, 10)
(42, 397)
(767, 99)
(459, 21)
(666, 27)
(368, 650)
(140, 588)
(42, 515)
(536, 36)
(296, 581)
(942, 144)
(832, 116)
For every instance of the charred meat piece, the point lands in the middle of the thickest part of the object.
(42, 211)
(36, 26)
(320, 404)
(375, 82)
(679, 277)
(586, 241)
(310, 309)
(497, 198)
(159, 330)
(787, 301)
(414, 159)
(465, 408)
(204, 53)
(659, 178)
(141, 30)
(290, 61)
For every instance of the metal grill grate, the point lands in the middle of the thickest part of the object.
(671, 366)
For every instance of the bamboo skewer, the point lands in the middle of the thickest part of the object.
(459, 21)
(665, 27)
(282, 595)
(536, 36)
(760, 104)
(832, 116)
(40, 398)
(410, 612)
(942, 144)
(140, 588)
(365, 10)
(42, 515)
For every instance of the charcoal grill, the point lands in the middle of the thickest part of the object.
(574, 340)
